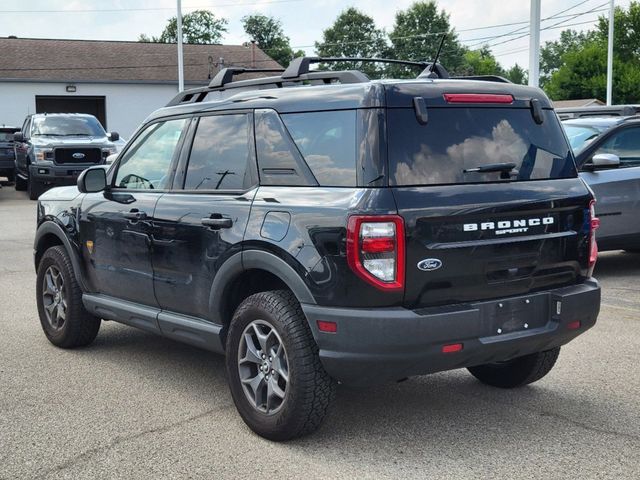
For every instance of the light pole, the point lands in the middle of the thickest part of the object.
(534, 44)
(610, 55)
(180, 60)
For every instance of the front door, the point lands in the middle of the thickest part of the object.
(200, 225)
(116, 224)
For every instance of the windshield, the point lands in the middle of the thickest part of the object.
(61, 126)
(475, 145)
(580, 135)
(6, 136)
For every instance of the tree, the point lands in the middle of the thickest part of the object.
(416, 34)
(551, 53)
(199, 26)
(517, 74)
(267, 33)
(581, 65)
(480, 62)
(353, 34)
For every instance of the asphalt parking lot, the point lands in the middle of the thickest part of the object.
(134, 405)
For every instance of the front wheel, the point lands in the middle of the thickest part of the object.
(34, 188)
(277, 381)
(21, 184)
(517, 372)
(64, 320)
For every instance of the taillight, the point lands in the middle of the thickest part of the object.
(594, 223)
(478, 98)
(375, 249)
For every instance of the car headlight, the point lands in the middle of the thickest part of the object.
(106, 151)
(42, 154)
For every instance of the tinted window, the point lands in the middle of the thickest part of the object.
(279, 161)
(147, 163)
(327, 141)
(61, 126)
(220, 154)
(459, 139)
(626, 145)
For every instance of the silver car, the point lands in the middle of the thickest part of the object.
(607, 152)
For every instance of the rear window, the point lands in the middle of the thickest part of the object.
(459, 139)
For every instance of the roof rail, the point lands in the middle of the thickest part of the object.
(224, 81)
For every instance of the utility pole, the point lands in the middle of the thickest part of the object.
(180, 60)
(610, 55)
(534, 44)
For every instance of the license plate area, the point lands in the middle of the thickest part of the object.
(514, 315)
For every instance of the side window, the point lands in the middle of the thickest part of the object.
(26, 127)
(626, 145)
(220, 155)
(279, 160)
(147, 163)
(327, 140)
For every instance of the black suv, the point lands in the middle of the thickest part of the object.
(318, 227)
(7, 155)
(53, 148)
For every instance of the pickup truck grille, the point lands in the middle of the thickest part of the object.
(65, 156)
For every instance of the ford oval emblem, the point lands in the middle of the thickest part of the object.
(429, 264)
(78, 155)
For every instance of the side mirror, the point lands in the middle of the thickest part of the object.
(18, 137)
(92, 180)
(113, 136)
(603, 161)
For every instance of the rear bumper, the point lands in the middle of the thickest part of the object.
(57, 174)
(387, 344)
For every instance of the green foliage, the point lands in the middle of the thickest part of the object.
(517, 74)
(551, 53)
(199, 26)
(480, 62)
(353, 34)
(417, 33)
(268, 34)
(577, 64)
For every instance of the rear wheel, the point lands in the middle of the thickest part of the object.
(10, 176)
(517, 372)
(277, 381)
(64, 320)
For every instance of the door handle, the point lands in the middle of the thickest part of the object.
(135, 214)
(216, 223)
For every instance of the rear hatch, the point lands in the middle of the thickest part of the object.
(473, 234)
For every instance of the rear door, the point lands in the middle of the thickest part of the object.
(474, 235)
(618, 190)
(202, 223)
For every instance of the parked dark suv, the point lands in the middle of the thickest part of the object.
(53, 148)
(7, 155)
(318, 227)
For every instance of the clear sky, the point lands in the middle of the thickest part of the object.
(303, 20)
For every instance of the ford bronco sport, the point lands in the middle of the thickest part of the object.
(53, 148)
(318, 227)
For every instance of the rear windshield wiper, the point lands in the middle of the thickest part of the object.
(506, 169)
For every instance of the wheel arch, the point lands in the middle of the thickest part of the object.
(50, 234)
(249, 272)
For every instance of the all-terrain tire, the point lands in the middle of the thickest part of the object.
(34, 189)
(309, 390)
(517, 372)
(79, 328)
(21, 184)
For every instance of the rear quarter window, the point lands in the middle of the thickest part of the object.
(456, 139)
(327, 141)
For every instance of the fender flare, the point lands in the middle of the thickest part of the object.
(255, 259)
(50, 227)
